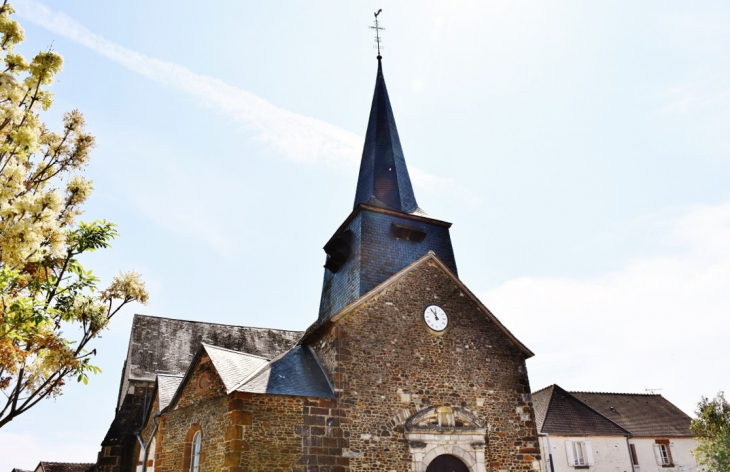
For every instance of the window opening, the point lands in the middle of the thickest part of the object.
(195, 458)
(634, 457)
(664, 454)
(579, 453)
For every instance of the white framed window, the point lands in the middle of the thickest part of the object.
(663, 454)
(195, 452)
(580, 453)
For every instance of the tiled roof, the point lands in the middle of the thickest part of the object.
(558, 412)
(165, 345)
(540, 402)
(295, 373)
(166, 388)
(233, 366)
(642, 414)
(63, 467)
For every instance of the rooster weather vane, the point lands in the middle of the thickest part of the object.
(377, 29)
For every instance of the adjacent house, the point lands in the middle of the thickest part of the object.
(64, 467)
(612, 432)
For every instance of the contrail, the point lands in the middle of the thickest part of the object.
(295, 137)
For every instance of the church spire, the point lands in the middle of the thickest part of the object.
(383, 179)
(386, 230)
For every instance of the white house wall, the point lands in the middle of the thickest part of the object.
(681, 455)
(610, 454)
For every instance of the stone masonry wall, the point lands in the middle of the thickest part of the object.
(203, 404)
(264, 429)
(285, 433)
(386, 365)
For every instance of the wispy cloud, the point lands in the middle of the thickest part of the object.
(295, 137)
(691, 98)
(659, 322)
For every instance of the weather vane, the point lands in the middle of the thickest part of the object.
(377, 29)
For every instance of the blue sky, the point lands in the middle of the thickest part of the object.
(580, 149)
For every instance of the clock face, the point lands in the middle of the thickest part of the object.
(435, 318)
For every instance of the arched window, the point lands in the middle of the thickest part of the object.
(195, 452)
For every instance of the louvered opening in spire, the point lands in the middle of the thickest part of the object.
(384, 179)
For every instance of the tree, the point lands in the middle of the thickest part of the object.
(45, 292)
(712, 428)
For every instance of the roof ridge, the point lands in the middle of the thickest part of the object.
(618, 393)
(252, 375)
(213, 323)
(544, 388)
(268, 365)
(243, 353)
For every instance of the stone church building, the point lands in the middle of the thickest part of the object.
(403, 368)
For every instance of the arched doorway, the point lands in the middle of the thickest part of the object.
(447, 463)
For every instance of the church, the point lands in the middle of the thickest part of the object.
(403, 368)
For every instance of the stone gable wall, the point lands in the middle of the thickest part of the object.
(195, 390)
(204, 408)
(386, 365)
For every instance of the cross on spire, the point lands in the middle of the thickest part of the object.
(377, 29)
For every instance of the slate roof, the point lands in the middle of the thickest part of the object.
(165, 345)
(648, 415)
(383, 179)
(166, 388)
(63, 467)
(295, 373)
(233, 366)
(558, 412)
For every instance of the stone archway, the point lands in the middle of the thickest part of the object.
(447, 463)
(456, 432)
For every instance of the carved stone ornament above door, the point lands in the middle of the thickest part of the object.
(455, 431)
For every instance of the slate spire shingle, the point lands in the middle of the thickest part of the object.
(383, 179)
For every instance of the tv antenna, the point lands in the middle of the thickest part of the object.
(652, 391)
(377, 29)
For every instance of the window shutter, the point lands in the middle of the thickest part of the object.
(569, 451)
(634, 458)
(589, 453)
(657, 454)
